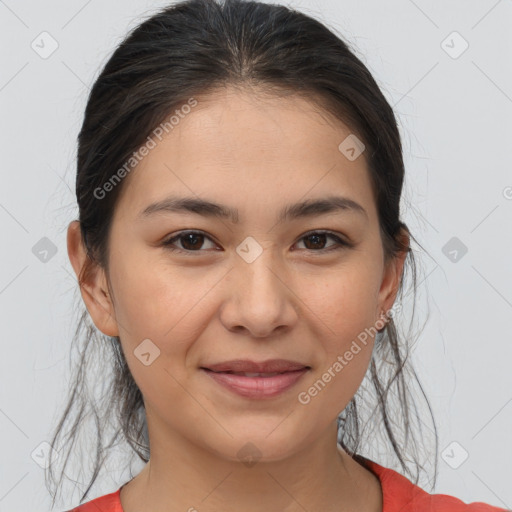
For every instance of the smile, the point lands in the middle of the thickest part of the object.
(256, 385)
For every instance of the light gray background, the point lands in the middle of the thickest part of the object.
(454, 116)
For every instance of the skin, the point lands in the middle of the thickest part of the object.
(256, 153)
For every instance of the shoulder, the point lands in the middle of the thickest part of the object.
(400, 494)
(107, 503)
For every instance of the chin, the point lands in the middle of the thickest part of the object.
(257, 447)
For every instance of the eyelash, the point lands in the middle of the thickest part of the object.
(340, 244)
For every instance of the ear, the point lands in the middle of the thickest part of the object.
(391, 278)
(93, 283)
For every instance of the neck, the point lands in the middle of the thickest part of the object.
(181, 476)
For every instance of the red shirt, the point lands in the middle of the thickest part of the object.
(399, 495)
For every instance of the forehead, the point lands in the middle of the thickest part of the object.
(239, 147)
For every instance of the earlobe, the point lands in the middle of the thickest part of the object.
(92, 281)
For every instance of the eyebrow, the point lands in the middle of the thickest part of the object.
(308, 208)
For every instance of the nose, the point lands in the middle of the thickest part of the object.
(260, 298)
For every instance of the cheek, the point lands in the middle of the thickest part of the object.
(343, 309)
(171, 307)
(155, 299)
(158, 310)
(346, 354)
(345, 301)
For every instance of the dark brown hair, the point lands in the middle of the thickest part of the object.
(190, 49)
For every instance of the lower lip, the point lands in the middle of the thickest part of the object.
(257, 387)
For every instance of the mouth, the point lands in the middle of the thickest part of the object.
(256, 374)
(263, 368)
(256, 385)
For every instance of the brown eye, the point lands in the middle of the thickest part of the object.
(316, 240)
(191, 241)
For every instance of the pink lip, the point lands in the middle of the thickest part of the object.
(246, 365)
(257, 387)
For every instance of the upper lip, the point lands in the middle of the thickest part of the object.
(245, 365)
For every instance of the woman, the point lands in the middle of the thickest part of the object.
(239, 244)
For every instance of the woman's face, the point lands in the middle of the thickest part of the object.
(253, 287)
